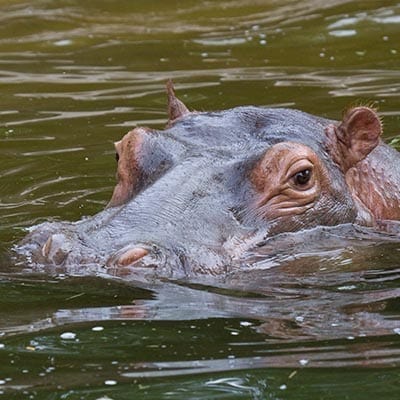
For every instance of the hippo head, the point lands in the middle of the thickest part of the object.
(195, 196)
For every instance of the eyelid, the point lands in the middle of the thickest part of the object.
(298, 166)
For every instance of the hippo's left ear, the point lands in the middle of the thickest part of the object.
(176, 108)
(355, 137)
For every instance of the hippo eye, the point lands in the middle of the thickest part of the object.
(117, 156)
(301, 178)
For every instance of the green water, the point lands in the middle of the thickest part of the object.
(74, 77)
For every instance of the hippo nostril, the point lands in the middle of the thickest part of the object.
(47, 247)
(56, 248)
(131, 256)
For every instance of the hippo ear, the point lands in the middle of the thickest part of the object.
(176, 108)
(355, 137)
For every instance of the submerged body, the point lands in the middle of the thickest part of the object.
(199, 195)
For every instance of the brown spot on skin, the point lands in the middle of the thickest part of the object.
(131, 256)
(372, 186)
(128, 171)
(275, 178)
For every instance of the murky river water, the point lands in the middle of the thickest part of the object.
(311, 323)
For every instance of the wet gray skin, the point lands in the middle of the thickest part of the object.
(190, 198)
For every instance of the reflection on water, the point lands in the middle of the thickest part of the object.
(331, 305)
(74, 77)
(263, 319)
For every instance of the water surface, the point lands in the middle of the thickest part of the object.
(308, 322)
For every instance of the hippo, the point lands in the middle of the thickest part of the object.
(195, 197)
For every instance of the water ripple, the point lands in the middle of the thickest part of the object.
(72, 74)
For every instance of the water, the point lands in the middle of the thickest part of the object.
(308, 323)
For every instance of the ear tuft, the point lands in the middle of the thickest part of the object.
(355, 137)
(363, 120)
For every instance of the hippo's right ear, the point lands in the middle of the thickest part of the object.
(355, 137)
(176, 109)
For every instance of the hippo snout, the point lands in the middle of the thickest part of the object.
(61, 245)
